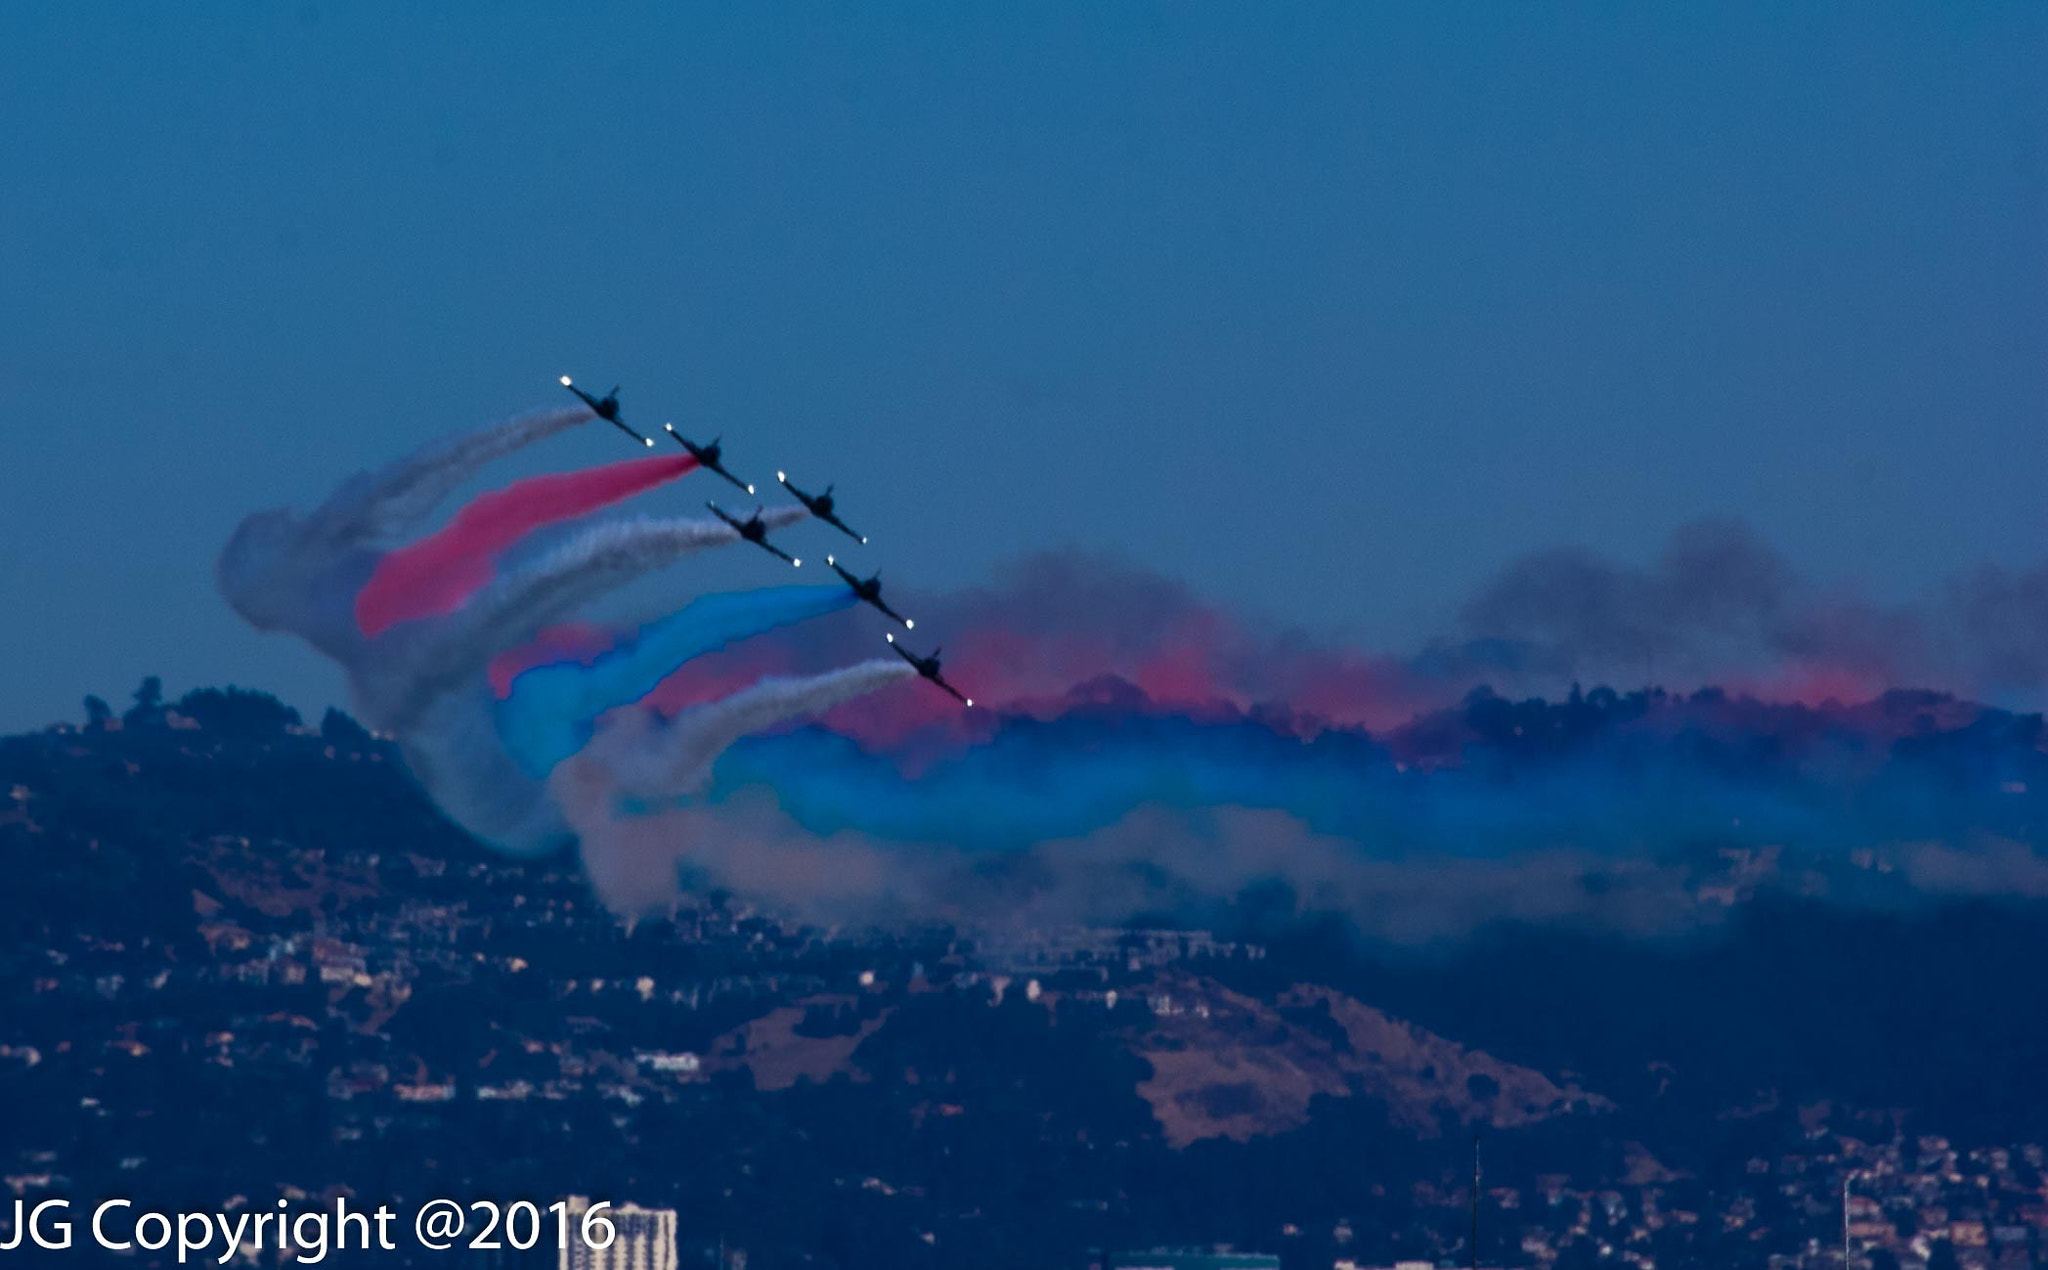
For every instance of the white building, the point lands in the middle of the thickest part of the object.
(645, 1239)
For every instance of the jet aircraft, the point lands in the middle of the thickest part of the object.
(753, 531)
(870, 592)
(606, 408)
(821, 507)
(707, 456)
(929, 668)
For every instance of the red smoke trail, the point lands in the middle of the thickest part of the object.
(432, 577)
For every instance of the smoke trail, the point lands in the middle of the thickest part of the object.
(682, 763)
(551, 709)
(384, 505)
(639, 764)
(432, 577)
(453, 750)
(419, 671)
(422, 666)
(285, 572)
(1604, 774)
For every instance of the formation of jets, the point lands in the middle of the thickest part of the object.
(822, 506)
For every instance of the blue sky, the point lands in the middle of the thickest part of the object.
(1332, 309)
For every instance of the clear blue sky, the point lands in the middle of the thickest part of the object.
(1332, 308)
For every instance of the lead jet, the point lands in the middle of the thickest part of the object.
(606, 408)
(870, 592)
(821, 507)
(707, 456)
(755, 532)
(929, 668)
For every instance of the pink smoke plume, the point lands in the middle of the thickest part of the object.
(434, 576)
(1059, 633)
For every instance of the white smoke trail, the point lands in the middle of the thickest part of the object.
(424, 665)
(454, 751)
(632, 858)
(675, 758)
(381, 506)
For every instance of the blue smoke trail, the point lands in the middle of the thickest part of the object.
(552, 710)
(1035, 782)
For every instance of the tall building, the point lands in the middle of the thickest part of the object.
(645, 1239)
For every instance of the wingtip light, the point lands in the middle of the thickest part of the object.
(647, 441)
(890, 636)
(796, 564)
(782, 476)
(970, 703)
(909, 624)
(750, 489)
(566, 381)
(863, 542)
(670, 426)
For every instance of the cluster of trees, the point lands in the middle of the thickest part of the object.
(239, 713)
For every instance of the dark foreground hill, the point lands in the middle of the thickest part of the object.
(243, 958)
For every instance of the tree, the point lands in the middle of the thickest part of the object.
(149, 704)
(97, 713)
(239, 712)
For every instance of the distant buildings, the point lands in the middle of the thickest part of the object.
(643, 1239)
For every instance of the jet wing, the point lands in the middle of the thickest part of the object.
(622, 426)
(719, 468)
(957, 695)
(892, 613)
(838, 524)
